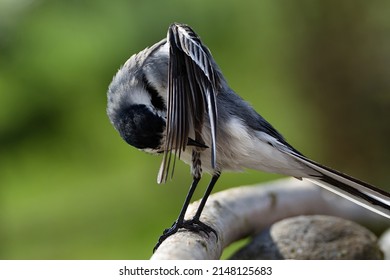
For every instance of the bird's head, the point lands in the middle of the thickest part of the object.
(136, 98)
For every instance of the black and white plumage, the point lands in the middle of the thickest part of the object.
(172, 99)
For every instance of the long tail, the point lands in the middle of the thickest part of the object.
(361, 193)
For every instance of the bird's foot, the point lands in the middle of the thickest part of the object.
(194, 225)
(168, 232)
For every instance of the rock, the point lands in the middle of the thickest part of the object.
(313, 238)
(384, 244)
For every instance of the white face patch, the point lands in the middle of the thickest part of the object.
(127, 94)
(132, 91)
(138, 96)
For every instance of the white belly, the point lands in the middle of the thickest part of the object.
(238, 149)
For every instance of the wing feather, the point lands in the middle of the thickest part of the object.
(192, 88)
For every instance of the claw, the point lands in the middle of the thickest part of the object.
(166, 233)
(194, 225)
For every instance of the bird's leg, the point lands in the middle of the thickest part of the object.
(208, 191)
(180, 220)
(196, 169)
(195, 224)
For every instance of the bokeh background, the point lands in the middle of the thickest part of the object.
(70, 188)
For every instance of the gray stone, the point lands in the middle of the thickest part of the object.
(384, 243)
(313, 237)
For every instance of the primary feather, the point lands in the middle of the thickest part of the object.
(192, 87)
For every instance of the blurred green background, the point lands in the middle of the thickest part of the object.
(70, 188)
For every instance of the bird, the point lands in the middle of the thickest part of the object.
(172, 99)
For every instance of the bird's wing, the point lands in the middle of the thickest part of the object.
(192, 89)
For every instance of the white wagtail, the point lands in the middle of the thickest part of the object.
(172, 99)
